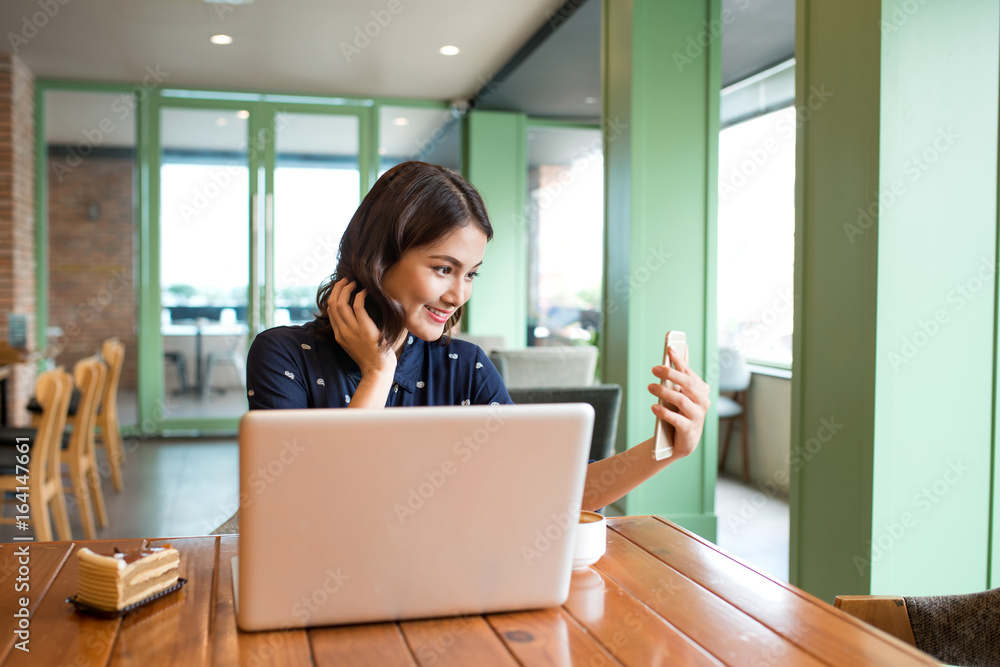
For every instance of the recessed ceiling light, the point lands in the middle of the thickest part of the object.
(221, 121)
(449, 50)
(243, 113)
(590, 100)
(221, 39)
(400, 121)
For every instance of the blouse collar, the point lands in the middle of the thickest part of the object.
(407, 367)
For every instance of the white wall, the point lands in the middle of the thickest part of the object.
(770, 419)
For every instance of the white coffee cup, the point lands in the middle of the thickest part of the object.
(591, 539)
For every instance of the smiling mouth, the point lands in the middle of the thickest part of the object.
(438, 316)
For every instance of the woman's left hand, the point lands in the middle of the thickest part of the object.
(690, 399)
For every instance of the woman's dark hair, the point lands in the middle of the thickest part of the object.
(413, 204)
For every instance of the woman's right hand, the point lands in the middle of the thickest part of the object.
(355, 331)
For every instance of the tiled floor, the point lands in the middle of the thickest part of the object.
(216, 404)
(753, 525)
(172, 488)
(178, 487)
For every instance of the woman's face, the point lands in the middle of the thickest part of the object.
(431, 281)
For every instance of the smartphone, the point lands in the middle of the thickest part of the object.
(664, 434)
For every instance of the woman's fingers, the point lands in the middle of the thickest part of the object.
(343, 318)
(362, 317)
(672, 417)
(359, 304)
(688, 393)
(678, 399)
(339, 304)
(680, 365)
(336, 293)
(351, 322)
(689, 384)
(678, 360)
(355, 331)
(685, 398)
(683, 376)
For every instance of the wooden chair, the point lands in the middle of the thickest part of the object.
(79, 454)
(734, 378)
(44, 483)
(109, 433)
(955, 629)
(885, 612)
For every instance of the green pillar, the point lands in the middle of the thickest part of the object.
(896, 302)
(494, 161)
(661, 110)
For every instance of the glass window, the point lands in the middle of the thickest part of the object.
(756, 237)
(566, 190)
(204, 207)
(416, 133)
(204, 194)
(317, 184)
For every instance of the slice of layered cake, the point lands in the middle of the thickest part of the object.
(113, 582)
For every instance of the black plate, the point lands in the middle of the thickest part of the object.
(116, 613)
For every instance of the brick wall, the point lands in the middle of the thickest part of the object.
(91, 261)
(17, 215)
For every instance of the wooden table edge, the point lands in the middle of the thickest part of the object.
(895, 642)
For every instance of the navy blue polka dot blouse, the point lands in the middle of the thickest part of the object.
(302, 367)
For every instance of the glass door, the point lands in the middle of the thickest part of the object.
(566, 186)
(204, 208)
(316, 189)
(231, 263)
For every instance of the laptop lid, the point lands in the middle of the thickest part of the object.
(357, 516)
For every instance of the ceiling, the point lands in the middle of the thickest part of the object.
(562, 77)
(759, 35)
(320, 47)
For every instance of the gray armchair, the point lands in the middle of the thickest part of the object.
(555, 366)
(488, 343)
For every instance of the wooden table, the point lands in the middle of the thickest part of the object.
(660, 596)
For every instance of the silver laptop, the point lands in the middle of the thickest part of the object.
(359, 516)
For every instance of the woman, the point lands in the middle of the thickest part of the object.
(407, 263)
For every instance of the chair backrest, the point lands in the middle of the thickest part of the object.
(734, 374)
(89, 374)
(487, 343)
(52, 390)
(554, 366)
(113, 353)
(605, 398)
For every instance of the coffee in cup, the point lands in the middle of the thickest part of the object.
(591, 539)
